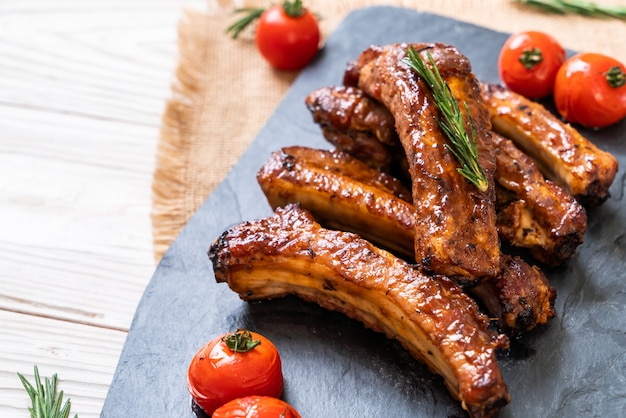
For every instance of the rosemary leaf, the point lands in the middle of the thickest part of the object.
(251, 14)
(463, 145)
(46, 403)
(546, 6)
(581, 7)
(615, 11)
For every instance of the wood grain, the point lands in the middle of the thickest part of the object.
(82, 356)
(82, 91)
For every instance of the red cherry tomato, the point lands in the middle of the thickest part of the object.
(528, 63)
(590, 89)
(256, 407)
(288, 41)
(234, 365)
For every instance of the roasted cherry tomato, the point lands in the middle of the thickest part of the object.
(256, 407)
(528, 63)
(288, 35)
(590, 89)
(232, 366)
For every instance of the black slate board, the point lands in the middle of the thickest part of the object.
(333, 366)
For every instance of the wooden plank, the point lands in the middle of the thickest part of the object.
(79, 235)
(83, 357)
(79, 206)
(82, 89)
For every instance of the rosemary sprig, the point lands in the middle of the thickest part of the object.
(464, 146)
(582, 7)
(251, 14)
(46, 403)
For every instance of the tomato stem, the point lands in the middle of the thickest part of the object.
(240, 341)
(531, 57)
(615, 77)
(293, 8)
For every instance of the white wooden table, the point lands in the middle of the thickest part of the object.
(83, 85)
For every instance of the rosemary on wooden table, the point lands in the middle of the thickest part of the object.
(46, 403)
(464, 146)
(582, 7)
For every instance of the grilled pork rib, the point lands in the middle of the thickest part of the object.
(520, 296)
(532, 212)
(344, 193)
(352, 111)
(355, 124)
(561, 152)
(290, 253)
(456, 233)
(535, 213)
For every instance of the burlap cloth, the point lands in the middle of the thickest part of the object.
(224, 92)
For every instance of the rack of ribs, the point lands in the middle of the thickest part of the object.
(444, 229)
(291, 254)
(560, 151)
(455, 234)
(344, 193)
(532, 212)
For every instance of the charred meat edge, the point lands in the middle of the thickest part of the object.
(290, 254)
